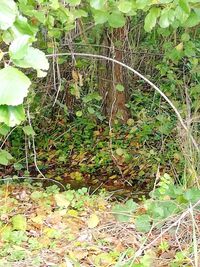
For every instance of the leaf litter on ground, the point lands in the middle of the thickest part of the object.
(46, 227)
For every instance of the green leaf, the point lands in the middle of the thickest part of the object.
(12, 115)
(79, 113)
(97, 4)
(116, 20)
(185, 37)
(73, 2)
(100, 17)
(91, 96)
(119, 151)
(151, 18)
(18, 166)
(125, 6)
(8, 12)
(28, 130)
(14, 86)
(19, 222)
(141, 4)
(54, 4)
(120, 87)
(130, 205)
(24, 27)
(79, 13)
(166, 18)
(34, 59)
(91, 110)
(5, 157)
(61, 200)
(192, 195)
(4, 129)
(124, 212)
(185, 6)
(19, 47)
(143, 223)
(193, 20)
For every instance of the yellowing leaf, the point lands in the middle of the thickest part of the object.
(38, 219)
(75, 75)
(130, 122)
(179, 47)
(73, 213)
(76, 176)
(93, 221)
(119, 151)
(61, 201)
(19, 222)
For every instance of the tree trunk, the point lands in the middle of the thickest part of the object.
(111, 74)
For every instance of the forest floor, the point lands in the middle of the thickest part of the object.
(49, 227)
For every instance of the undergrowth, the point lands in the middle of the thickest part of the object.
(47, 227)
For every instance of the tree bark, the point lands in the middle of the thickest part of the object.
(111, 74)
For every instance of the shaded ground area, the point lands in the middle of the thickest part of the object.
(84, 153)
(41, 227)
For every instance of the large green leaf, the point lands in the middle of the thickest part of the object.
(193, 20)
(125, 6)
(5, 157)
(185, 6)
(35, 59)
(29, 130)
(8, 12)
(151, 18)
(12, 115)
(4, 129)
(14, 86)
(124, 212)
(142, 4)
(143, 223)
(116, 20)
(19, 47)
(22, 25)
(166, 18)
(54, 4)
(100, 17)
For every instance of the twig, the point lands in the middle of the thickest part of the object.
(7, 137)
(183, 215)
(195, 246)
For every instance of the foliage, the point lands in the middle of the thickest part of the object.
(86, 224)
(166, 201)
(68, 136)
